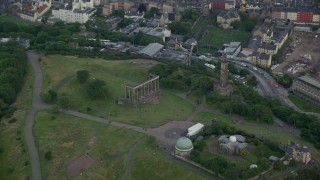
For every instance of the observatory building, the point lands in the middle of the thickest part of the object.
(183, 147)
(232, 144)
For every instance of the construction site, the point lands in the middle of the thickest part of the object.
(302, 55)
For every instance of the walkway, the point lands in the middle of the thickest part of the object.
(37, 105)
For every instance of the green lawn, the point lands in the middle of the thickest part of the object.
(14, 158)
(116, 74)
(68, 137)
(304, 105)
(218, 37)
(149, 163)
(16, 20)
(260, 130)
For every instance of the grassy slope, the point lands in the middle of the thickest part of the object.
(148, 163)
(72, 141)
(259, 130)
(116, 74)
(304, 105)
(16, 20)
(218, 37)
(15, 155)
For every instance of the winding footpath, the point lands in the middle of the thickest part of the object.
(37, 105)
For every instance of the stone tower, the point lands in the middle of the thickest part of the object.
(224, 73)
(224, 87)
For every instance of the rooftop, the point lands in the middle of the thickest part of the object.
(310, 80)
(151, 49)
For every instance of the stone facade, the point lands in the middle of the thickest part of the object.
(224, 87)
(308, 88)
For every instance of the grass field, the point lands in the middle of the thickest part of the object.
(218, 37)
(149, 163)
(259, 130)
(72, 141)
(304, 105)
(16, 20)
(14, 158)
(116, 74)
(109, 151)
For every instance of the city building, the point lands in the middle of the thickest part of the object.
(218, 4)
(77, 11)
(232, 144)
(133, 15)
(297, 153)
(32, 11)
(151, 49)
(183, 147)
(116, 5)
(270, 49)
(261, 59)
(297, 14)
(225, 18)
(308, 88)
(231, 50)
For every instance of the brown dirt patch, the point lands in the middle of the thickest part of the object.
(144, 62)
(79, 166)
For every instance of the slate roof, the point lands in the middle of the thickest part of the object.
(232, 13)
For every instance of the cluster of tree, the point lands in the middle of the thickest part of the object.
(309, 124)
(125, 22)
(190, 15)
(12, 72)
(247, 23)
(151, 13)
(245, 102)
(180, 27)
(96, 88)
(285, 80)
(144, 39)
(304, 174)
(174, 77)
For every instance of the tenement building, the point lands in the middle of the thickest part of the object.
(308, 88)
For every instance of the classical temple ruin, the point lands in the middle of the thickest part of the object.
(142, 93)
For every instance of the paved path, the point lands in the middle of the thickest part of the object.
(37, 105)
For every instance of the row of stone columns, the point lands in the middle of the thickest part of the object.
(143, 90)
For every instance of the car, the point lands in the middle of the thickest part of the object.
(243, 64)
(254, 68)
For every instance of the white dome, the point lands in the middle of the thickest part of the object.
(232, 138)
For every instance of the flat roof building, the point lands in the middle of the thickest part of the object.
(308, 88)
(151, 49)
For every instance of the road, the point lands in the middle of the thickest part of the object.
(37, 104)
(266, 82)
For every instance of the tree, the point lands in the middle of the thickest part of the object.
(142, 8)
(82, 76)
(190, 15)
(151, 12)
(262, 113)
(236, 24)
(95, 89)
(63, 101)
(201, 84)
(181, 28)
(48, 155)
(7, 93)
(244, 153)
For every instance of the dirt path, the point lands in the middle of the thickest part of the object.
(131, 150)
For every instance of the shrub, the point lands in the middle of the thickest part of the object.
(48, 155)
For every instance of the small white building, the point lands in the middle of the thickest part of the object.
(195, 129)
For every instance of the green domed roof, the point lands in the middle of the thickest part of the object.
(184, 144)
